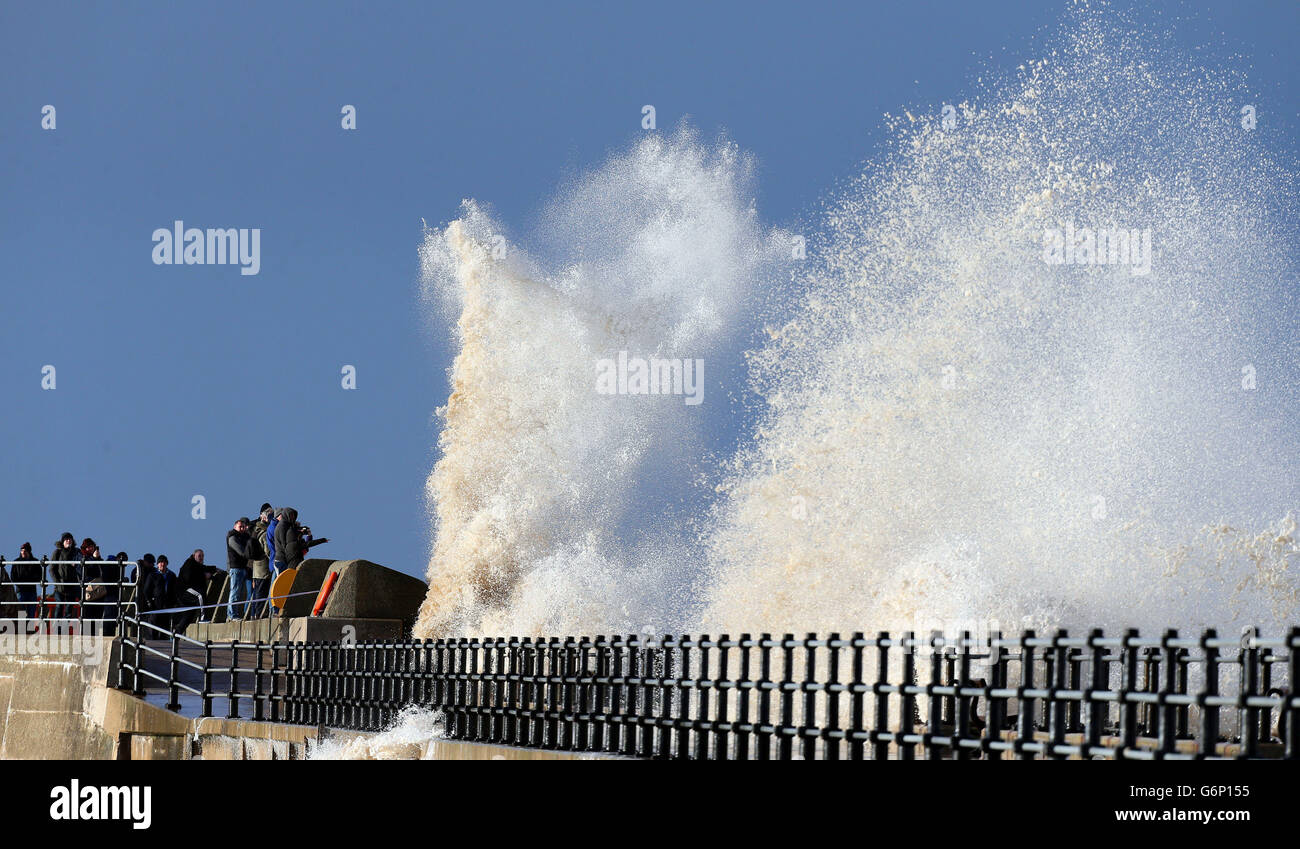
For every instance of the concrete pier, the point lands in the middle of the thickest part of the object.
(58, 705)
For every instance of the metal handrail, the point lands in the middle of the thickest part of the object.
(134, 643)
(1125, 697)
(43, 599)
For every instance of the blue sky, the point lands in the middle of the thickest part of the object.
(174, 381)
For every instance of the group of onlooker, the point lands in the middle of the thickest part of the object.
(82, 583)
(71, 577)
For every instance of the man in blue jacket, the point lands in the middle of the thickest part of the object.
(270, 539)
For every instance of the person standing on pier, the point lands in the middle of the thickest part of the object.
(65, 573)
(259, 563)
(240, 576)
(27, 572)
(158, 588)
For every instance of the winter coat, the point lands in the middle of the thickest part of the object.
(26, 570)
(158, 590)
(257, 558)
(288, 539)
(192, 575)
(236, 549)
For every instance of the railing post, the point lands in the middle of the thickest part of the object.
(1209, 731)
(997, 707)
(703, 682)
(81, 597)
(830, 743)
(173, 673)
(121, 659)
(1054, 706)
(744, 699)
(1184, 711)
(136, 689)
(258, 709)
(786, 728)
(1128, 713)
(1265, 686)
(1074, 708)
(121, 586)
(582, 681)
(206, 695)
(1249, 729)
(962, 728)
(907, 716)
(1095, 709)
(1288, 719)
(667, 691)
(807, 732)
(40, 601)
(934, 724)
(232, 700)
(722, 737)
(1167, 730)
(682, 689)
(1025, 704)
(763, 737)
(857, 698)
(880, 697)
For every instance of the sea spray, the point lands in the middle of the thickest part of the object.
(407, 738)
(960, 429)
(956, 427)
(543, 518)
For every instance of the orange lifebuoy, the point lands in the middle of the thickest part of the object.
(324, 593)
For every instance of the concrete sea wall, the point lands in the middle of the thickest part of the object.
(56, 704)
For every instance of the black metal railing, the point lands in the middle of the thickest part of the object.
(768, 698)
(154, 656)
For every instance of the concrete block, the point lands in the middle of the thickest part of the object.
(314, 629)
(366, 590)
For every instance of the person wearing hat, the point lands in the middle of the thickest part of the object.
(259, 562)
(65, 573)
(157, 592)
(26, 572)
(241, 579)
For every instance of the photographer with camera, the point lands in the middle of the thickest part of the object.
(292, 540)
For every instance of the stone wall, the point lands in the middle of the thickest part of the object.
(57, 705)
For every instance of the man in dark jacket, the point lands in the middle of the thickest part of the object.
(288, 540)
(191, 589)
(241, 582)
(65, 573)
(292, 541)
(159, 593)
(26, 572)
(135, 585)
